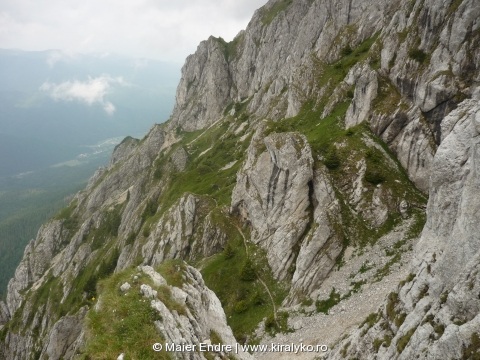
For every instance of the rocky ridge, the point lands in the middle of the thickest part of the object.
(291, 150)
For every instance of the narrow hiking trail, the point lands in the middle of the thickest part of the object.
(258, 276)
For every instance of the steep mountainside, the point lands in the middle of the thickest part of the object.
(290, 182)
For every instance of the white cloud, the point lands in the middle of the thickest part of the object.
(109, 108)
(55, 56)
(159, 29)
(90, 92)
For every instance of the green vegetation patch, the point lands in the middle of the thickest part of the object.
(416, 228)
(48, 297)
(150, 209)
(84, 291)
(108, 228)
(403, 341)
(391, 304)
(385, 342)
(454, 5)
(124, 322)
(230, 49)
(388, 98)
(334, 298)
(69, 220)
(325, 305)
(419, 218)
(330, 75)
(472, 351)
(418, 55)
(386, 269)
(370, 320)
(269, 14)
(408, 279)
(172, 271)
(399, 319)
(240, 281)
(209, 152)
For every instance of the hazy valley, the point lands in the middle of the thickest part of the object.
(51, 145)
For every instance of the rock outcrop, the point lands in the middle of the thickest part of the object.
(4, 314)
(272, 194)
(186, 231)
(289, 208)
(290, 150)
(322, 244)
(37, 258)
(435, 311)
(203, 317)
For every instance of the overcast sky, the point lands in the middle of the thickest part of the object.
(157, 29)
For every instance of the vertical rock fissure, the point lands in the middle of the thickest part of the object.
(272, 186)
(312, 203)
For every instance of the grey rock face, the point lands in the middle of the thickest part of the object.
(278, 194)
(272, 194)
(132, 172)
(204, 88)
(203, 315)
(157, 279)
(63, 249)
(185, 231)
(4, 314)
(440, 304)
(366, 87)
(434, 83)
(148, 292)
(36, 259)
(179, 159)
(455, 181)
(124, 149)
(270, 65)
(61, 340)
(265, 63)
(321, 245)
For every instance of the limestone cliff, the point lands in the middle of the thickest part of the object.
(293, 177)
(434, 312)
